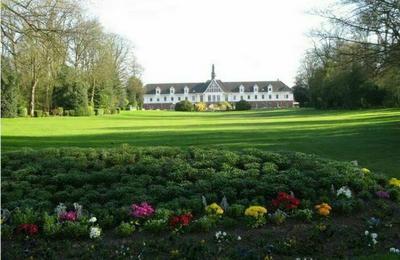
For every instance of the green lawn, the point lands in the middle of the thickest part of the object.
(370, 136)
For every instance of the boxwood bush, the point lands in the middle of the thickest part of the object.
(172, 178)
(184, 105)
(242, 105)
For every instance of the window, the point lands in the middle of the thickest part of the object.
(277, 96)
(226, 97)
(241, 89)
(241, 97)
(193, 98)
(172, 98)
(165, 98)
(158, 100)
(186, 90)
(255, 96)
(213, 98)
(172, 90)
(158, 91)
(209, 98)
(287, 96)
(218, 98)
(270, 96)
(248, 97)
(179, 98)
(234, 97)
(255, 89)
(262, 97)
(186, 98)
(151, 99)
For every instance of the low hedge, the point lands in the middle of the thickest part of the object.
(172, 178)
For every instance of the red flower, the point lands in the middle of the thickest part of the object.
(28, 229)
(286, 201)
(183, 220)
(69, 216)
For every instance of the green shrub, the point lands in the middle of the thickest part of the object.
(125, 229)
(71, 112)
(99, 111)
(59, 111)
(50, 225)
(38, 113)
(236, 210)
(22, 112)
(204, 224)
(242, 105)
(184, 105)
(303, 214)
(24, 216)
(91, 111)
(66, 112)
(75, 229)
(46, 114)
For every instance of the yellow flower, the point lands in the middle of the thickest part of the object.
(323, 209)
(174, 252)
(255, 211)
(214, 209)
(395, 182)
(365, 171)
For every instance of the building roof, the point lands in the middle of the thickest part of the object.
(200, 87)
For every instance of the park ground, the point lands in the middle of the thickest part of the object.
(372, 137)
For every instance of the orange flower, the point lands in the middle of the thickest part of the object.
(323, 209)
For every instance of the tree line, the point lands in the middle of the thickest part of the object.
(54, 55)
(355, 61)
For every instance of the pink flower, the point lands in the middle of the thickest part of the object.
(142, 210)
(69, 216)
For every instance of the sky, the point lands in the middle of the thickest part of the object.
(179, 40)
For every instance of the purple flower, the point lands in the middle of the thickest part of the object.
(383, 194)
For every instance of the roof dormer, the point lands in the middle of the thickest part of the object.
(158, 91)
(255, 88)
(186, 90)
(171, 90)
(241, 88)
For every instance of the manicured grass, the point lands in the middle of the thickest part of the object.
(370, 136)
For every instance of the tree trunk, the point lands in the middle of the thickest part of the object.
(92, 96)
(32, 106)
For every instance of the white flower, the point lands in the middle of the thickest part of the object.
(92, 219)
(374, 241)
(239, 238)
(374, 235)
(366, 232)
(344, 191)
(224, 233)
(392, 250)
(95, 232)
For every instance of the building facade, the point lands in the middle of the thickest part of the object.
(260, 94)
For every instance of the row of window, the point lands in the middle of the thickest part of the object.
(213, 88)
(217, 98)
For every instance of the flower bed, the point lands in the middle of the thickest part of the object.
(187, 196)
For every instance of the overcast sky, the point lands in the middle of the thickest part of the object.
(178, 40)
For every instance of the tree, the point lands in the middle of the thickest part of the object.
(135, 91)
(70, 92)
(9, 90)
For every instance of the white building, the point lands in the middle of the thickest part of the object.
(259, 93)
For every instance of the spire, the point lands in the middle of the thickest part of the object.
(213, 72)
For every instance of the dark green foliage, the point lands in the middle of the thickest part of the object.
(9, 90)
(22, 112)
(302, 95)
(184, 105)
(242, 105)
(71, 93)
